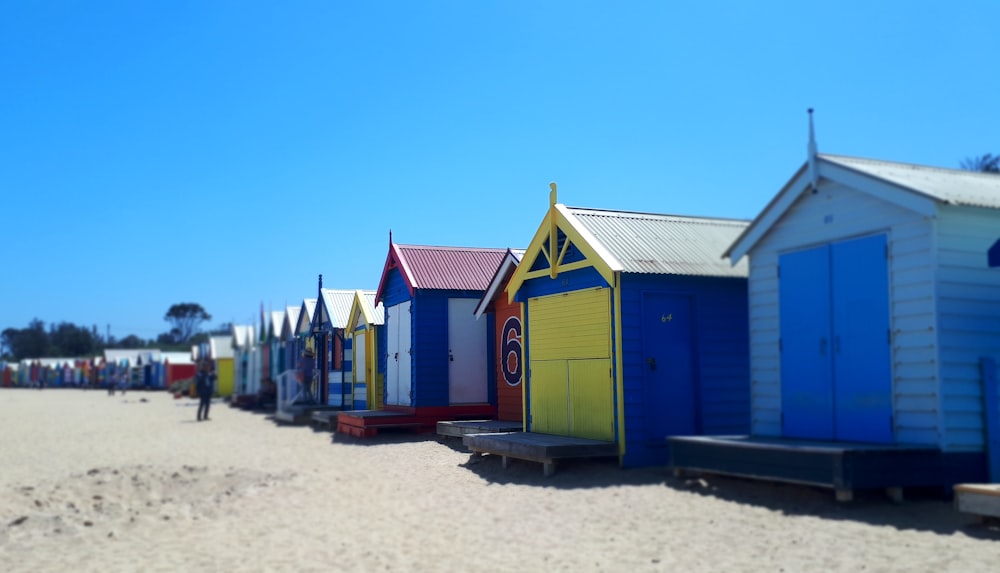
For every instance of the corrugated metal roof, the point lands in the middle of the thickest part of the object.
(177, 357)
(338, 305)
(509, 263)
(240, 334)
(291, 321)
(665, 244)
(277, 320)
(450, 268)
(305, 320)
(954, 186)
(374, 310)
(220, 347)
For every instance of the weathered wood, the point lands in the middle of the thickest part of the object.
(459, 428)
(549, 468)
(505, 462)
(844, 495)
(541, 448)
(836, 465)
(978, 499)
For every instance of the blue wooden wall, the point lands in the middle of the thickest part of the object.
(721, 359)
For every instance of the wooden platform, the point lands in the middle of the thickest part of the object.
(543, 448)
(459, 428)
(325, 418)
(300, 413)
(979, 499)
(843, 466)
(367, 423)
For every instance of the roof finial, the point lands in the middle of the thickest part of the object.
(321, 284)
(811, 149)
(390, 237)
(552, 193)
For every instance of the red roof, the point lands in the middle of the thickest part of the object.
(442, 268)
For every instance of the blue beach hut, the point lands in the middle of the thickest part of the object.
(436, 355)
(635, 330)
(872, 305)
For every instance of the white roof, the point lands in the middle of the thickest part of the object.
(177, 357)
(917, 187)
(290, 323)
(220, 347)
(954, 186)
(132, 355)
(504, 270)
(337, 306)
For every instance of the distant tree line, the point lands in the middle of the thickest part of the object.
(987, 163)
(68, 340)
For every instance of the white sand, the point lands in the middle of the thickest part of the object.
(97, 483)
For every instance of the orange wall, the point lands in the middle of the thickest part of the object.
(510, 360)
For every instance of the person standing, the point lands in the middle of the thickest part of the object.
(205, 383)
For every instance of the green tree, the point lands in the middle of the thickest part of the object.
(987, 163)
(31, 342)
(186, 318)
(71, 340)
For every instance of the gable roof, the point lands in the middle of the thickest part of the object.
(365, 310)
(441, 268)
(220, 347)
(335, 307)
(614, 242)
(277, 321)
(306, 312)
(290, 323)
(664, 244)
(242, 335)
(919, 188)
(505, 269)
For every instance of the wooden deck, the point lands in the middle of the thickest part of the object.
(459, 428)
(367, 423)
(543, 448)
(325, 418)
(300, 413)
(979, 499)
(842, 466)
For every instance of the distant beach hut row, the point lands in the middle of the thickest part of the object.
(134, 368)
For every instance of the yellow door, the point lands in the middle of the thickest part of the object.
(569, 342)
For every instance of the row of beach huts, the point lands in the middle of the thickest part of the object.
(845, 338)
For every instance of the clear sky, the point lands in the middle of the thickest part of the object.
(226, 153)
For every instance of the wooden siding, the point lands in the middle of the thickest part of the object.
(430, 345)
(838, 213)
(510, 404)
(968, 319)
(722, 361)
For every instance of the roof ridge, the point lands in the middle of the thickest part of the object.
(704, 218)
(953, 170)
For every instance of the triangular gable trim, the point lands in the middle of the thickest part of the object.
(394, 259)
(360, 313)
(500, 279)
(800, 183)
(559, 218)
(305, 320)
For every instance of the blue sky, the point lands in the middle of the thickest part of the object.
(226, 153)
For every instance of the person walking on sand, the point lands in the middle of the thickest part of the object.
(205, 385)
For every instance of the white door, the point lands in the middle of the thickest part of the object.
(397, 375)
(467, 375)
(360, 361)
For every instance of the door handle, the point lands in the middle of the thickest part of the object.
(652, 363)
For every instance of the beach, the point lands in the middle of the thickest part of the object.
(92, 482)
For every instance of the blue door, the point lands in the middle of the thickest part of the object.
(861, 354)
(835, 351)
(806, 377)
(670, 401)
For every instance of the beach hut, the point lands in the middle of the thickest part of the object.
(508, 338)
(334, 362)
(177, 366)
(245, 359)
(635, 329)
(304, 339)
(872, 305)
(286, 386)
(220, 351)
(364, 322)
(436, 358)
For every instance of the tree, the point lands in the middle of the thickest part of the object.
(71, 340)
(186, 318)
(131, 341)
(31, 342)
(988, 163)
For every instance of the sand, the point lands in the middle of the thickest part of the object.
(91, 482)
